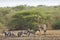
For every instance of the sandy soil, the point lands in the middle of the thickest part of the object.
(53, 32)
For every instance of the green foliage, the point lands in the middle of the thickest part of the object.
(56, 24)
(23, 17)
(24, 20)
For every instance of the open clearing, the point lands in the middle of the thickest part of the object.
(48, 32)
(50, 35)
(53, 32)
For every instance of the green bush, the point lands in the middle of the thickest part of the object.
(26, 19)
(56, 25)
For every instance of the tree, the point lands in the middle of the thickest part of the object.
(24, 19)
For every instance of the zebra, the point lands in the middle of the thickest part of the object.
(8, 34)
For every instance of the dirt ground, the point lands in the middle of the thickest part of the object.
(55, 36)
(53, 32)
